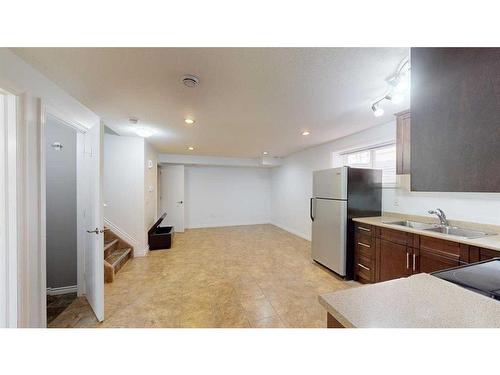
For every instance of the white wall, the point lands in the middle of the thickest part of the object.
(150, 185)
(61, 212)
(224, 196)
(29, 85)
(130, 206)
(474, 207)
(292, 187)
(123, 187)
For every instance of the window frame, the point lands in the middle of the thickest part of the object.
(372, 149)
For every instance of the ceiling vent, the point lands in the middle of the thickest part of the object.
(190, 80)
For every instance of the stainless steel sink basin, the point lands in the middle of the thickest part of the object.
(411, 224)
(459, 232)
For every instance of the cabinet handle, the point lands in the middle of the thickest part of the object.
(407, 260)
(365, 229)
(364, 267)
(414, 261)
(363, 244)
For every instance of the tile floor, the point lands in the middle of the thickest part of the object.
(57, 304)
(244, 276)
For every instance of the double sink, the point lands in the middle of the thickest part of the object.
(449, 230)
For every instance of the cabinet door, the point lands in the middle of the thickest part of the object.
(485, 254)
(428, 261)
(394, 261)
(403, 142)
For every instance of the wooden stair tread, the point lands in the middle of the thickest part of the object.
(117, 256)
(110, 243)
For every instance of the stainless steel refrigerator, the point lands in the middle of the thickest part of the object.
(340, 194)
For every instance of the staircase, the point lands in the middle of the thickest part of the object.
(116, 253)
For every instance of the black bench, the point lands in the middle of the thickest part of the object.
(160, 237)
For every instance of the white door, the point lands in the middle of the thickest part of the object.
(94, 250)
(329, 233)
(172, 196)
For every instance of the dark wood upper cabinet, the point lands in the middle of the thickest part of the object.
(455, 119)
(403, 145)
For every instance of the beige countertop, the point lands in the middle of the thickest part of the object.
(488, 242)
(418, 301)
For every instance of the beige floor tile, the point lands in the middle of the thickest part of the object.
(245, 276)
(269, 322)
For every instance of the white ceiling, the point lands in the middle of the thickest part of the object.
(249, 100)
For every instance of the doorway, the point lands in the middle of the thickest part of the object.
(71, 214)
(61, 216)
(172, 195)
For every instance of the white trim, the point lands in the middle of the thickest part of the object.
(226, 224)
(368, 147)
(141, 253)
(292, 231)
(8, 211)
(124, 235)
(62, 290)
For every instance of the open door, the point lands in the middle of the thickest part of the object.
(172, 196)
(94, 250)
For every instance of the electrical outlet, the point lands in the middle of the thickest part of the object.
(396, 202)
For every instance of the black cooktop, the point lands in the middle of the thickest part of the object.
(481, 277)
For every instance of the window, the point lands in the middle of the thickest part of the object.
(382, 157)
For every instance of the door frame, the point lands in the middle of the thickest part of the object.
(9, 197)
(81, 197)
(165, 196)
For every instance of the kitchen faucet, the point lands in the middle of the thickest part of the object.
(440, 214)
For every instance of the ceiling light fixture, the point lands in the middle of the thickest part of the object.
(306, 132)
(190, 80)
(377, 110)
(189, 121)
(398, 83)
(265, 153)
(191, 148)
(141, 131)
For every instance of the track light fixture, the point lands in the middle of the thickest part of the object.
(398, 83)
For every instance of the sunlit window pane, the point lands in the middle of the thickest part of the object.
(378, 158)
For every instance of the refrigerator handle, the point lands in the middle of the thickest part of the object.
(311, 208)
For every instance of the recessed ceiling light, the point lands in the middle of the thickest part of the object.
(306, 132)
(191, 148)
(189, 121)
(265, 153)
(143, 132)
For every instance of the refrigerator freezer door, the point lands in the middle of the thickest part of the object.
(330, 183)
(329, 234)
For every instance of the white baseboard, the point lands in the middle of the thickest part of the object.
(120, 232)
(141, 252)
(62, 290)
(228, 224)
(292, 231)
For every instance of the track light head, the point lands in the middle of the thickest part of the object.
(377, 110)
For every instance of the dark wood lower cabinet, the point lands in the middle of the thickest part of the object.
(394, 260)
(331, 322)
(383, 254)
(427, 261)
